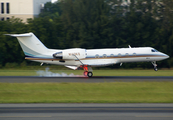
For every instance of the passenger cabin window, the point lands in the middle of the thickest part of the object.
(134, 54)
(153, 50)
(104, 55)
(112, 55)
(126, 54)
(96, 56)
(119, 55)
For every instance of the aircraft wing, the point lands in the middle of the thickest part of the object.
(103, 64)
(94, 64)
(71, 67)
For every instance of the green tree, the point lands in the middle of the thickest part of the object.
(95, 24)
(86, 23)
(52, 10)
(48, 30)
(9, 47)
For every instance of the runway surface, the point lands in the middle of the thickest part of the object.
(28, 79)
(86, 111)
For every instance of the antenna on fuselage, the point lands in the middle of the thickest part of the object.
(129, 46)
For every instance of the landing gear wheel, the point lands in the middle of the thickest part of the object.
(155, 68)
(90, 74)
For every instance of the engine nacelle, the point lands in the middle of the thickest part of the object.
(71, 54)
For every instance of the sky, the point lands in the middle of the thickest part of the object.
(54, 1)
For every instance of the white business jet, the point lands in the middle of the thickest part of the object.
(76, 58)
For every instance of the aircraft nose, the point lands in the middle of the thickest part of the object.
(166, 56)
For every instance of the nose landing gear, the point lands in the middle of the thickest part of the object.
(155, 65)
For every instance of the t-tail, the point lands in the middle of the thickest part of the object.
(31, 45)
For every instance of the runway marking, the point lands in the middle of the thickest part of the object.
(94, 79)
(156, 116)
(25, 116)
(90, 108)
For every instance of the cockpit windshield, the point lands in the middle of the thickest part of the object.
(154, 50)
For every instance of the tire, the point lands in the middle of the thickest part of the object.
(155, 68)
(90, 74)
(85, 73)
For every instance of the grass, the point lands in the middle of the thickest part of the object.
(115, 92)
(18, 72)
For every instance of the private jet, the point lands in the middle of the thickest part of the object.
(79, 58)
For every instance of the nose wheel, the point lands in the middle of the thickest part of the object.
(155, 68)
(155, 65)
(89, 74)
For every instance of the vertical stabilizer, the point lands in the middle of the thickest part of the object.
(31, 45)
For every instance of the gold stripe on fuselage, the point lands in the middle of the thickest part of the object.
(52, 59)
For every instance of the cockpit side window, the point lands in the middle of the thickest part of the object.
(156, 50)
(153, 50)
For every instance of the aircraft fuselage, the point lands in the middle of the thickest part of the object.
(104, 57)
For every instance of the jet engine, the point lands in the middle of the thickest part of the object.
(72, 54)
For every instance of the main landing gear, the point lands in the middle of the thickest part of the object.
(155, 65)
(89, 74)
(87, 70)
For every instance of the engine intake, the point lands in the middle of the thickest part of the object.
(58, 55)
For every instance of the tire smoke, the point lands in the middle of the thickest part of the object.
(47, 73)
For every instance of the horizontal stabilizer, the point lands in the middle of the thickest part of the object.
(20, 35)
(71, 67)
